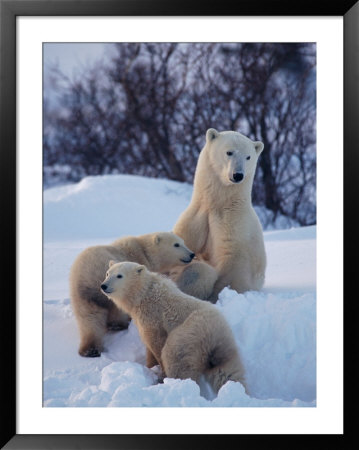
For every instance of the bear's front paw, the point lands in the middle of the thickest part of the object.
(116, 326)
(91, 352)
(158, 372)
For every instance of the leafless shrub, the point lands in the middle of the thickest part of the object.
(146, 112)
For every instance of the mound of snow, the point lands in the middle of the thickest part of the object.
(113, 205)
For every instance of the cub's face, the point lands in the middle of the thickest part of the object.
(232, 155)
(120, 279)
(171, 250)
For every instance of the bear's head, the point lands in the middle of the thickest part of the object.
(123, 280)
(232, 155)
(169, 250)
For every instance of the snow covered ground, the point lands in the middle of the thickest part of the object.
(275, 329)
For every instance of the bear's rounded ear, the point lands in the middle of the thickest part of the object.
(211, 134)
(140, 269)
(111, 263)
(157, 239)
(259, 146)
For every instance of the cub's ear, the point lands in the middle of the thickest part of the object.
(111, 263)
(140, 269)
(211, 134)
(157, 238)
(259, 146)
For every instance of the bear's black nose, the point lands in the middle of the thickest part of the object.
(238, 176)
(104, 287)
(192, 255)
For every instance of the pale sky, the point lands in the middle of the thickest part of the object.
(71, 57)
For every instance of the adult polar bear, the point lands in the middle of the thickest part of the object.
(220, 224)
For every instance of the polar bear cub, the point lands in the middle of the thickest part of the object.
(94, 312)
(188, 337)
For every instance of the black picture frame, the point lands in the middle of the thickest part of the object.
(9, 10)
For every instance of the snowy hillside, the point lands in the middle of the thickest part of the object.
(275, 329)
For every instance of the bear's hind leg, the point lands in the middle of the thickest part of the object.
(196, 279)
(182, 358)
(231, 274)
(225, 370)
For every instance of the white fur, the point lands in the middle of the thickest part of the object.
(220, 224)
(187, 337)
(95, 314)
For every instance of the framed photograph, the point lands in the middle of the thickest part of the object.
(105, 108)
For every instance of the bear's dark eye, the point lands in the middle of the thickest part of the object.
(248, 157)
(176, 245)
(229, 153)
(119, 276)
